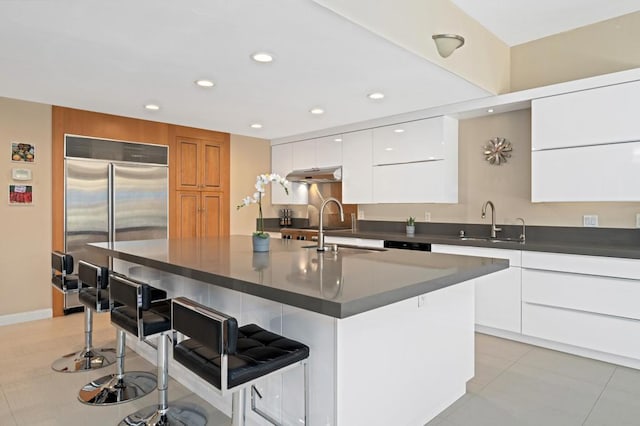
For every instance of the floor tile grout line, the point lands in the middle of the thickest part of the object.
(604, 388)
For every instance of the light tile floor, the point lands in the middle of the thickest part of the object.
(31, 393)
(518, 384)
(515, 384)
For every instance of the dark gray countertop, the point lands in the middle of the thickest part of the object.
(596, 248)
(339, 284)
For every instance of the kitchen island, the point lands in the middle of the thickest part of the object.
(390, 331)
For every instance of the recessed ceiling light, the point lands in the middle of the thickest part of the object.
(256, 126)
(316, 111)
(376, 96)
(388, 149)
(205, 83)
(262, 57)
(490, 110)
(337, 140)
(152, 107)
(399, 130)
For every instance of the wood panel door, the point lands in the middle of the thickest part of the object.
(199, 164)
(187, 214)
(211, 218)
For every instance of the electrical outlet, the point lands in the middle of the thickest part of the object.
(427, 216)
(637, 220)
(360, 214)
(590, 220)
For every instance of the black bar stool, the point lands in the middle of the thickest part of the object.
(138, 309)
(156, 318)
(63, 280)
(233, 358)
(92, 283)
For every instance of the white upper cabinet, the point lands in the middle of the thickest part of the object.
(421, 140)
(357, 170)
(417, 165)
(317, 153)
(282, 164)
(586, 145)
(597, 116)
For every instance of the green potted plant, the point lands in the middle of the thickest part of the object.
(411, 225)
(260, 237)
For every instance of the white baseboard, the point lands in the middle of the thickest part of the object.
(562, 347)
(25, 316)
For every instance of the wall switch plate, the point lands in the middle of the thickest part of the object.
(590, 220)
(637, 220)
(421, 300)
(427, 216)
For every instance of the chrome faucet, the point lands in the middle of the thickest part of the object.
(320, 230)
(524, 229)
(494, 228)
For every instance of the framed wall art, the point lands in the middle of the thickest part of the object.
(23, 152)
(20, 195)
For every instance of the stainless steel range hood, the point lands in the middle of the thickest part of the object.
(329, 174)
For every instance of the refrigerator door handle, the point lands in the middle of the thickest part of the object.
(111, 203)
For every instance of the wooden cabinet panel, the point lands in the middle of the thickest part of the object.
(187, 214)
(211, 215)
(211, 168)
(200, 169)
(187, 162)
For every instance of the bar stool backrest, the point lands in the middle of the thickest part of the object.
(213, 329)
(93, 275)
(130, 293)
(61, 266)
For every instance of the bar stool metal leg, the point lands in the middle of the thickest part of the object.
(88, 358)
(164, 414)
(119, 387)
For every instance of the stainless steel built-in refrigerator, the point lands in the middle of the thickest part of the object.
(114, 191)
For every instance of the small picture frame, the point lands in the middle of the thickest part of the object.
(20, 195)
(23, 152)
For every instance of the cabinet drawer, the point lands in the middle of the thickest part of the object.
(613, 335)
(580, 264)
(604, 295)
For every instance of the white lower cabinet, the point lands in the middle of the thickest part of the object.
(498, 300)
(589, 302)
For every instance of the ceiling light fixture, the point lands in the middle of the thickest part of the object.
(152, 107)
(256, 126)
(337, 140)
(447, 43)
(376, 96)
(399, 130)
(205, 83)
(490, 110)
(262, 57)
(316, 111)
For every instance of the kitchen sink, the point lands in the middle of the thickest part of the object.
(491, 240)
(346, 248)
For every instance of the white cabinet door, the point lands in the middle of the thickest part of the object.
(421, 140)
(498, 299)
(591, 173)
(317, 153)
(357, 170)
(425, 182)
(282, 164)
(329, 151)
(304, 154)
(603, 115)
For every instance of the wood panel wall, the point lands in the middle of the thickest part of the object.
(86, 123)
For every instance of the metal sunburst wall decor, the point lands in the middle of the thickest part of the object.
(497, 150)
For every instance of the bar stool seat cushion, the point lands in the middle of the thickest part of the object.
(70, 282)
(155, 320)
(89, 297)
(258, 353)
